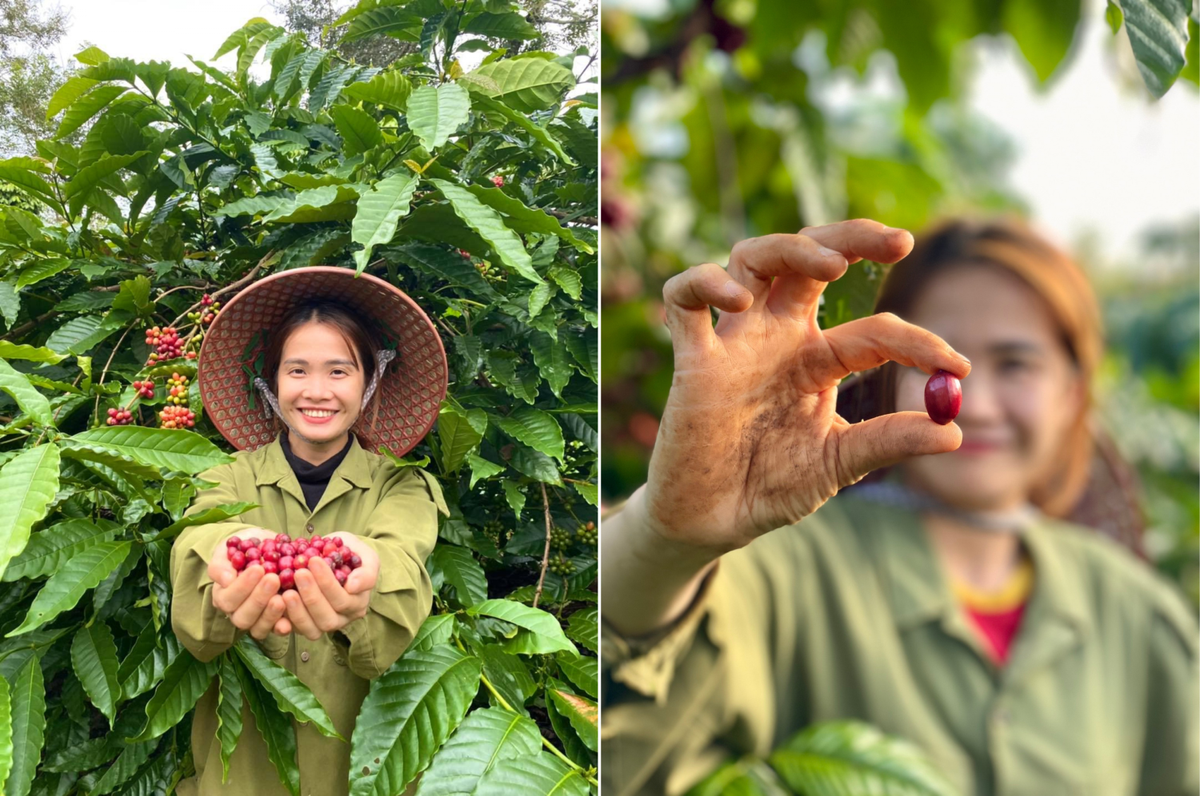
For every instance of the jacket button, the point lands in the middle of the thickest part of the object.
(304, 657)
(339, 660)
(309, 528)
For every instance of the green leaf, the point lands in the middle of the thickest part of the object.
(487, 222)
(509, 25)
(125, 465)
(743, 777)
(390, 89)
(534, 464)
(568, 280)
(583, 627)
(276, 730)
(1158, 32)
(10, 350)
(527, 218)
(482, 468)
(134, 296)
(28, 484)
(535, 428)
(79, 335)
(30, 182)
(388, 21)
(539, 298)
(94, 657)
(378, 213)
(291, 695)
(28, 705)
(524, 84)
(32, 402)
(243, 34)
(582, 713)
(536, 131)
(176, 449)
(359, 131)
(6, 731)
(146, 664)
(851, 751)
(435, 631)
(485, 738)
(585, 348)
(459, 433)
(553, 360)
(448, 265)
(67, 93)
(462, 571)
(10, 303)
(124, 767)
(584, 672)
(40, 270)
(83, 109)
(588, 492)
(535, 620)
(184, 682)
(532, 775)
(67, 586)
(435, 113)
(515, 497)
(229, 713)
(1114, 17)
(409, 713)
(509, 674)
(88, 178)
(1043, 31)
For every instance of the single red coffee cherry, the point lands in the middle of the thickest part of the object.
(253, 554)
(286, 562)
(313, 552)
(341, 577)
(337, 541)
(287, 579)
(271, 555)
(335, 560)
(317, 541)
(329, 549)
(238, 559)
(282, 538)
(232, 541)
(269, 545)
(943, 397)
(355, 562)
(300, 562)
(270, 566)
(287, 549)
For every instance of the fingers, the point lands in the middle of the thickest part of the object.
(256, 602)
(362, 580)
(300, 618)
(229, 598)
(869, 342)
(863, 239)
(688, 296)
(283, 626)
(335, 595)
(802, 264)
(888, 439)
(319, 609)
(265, 623)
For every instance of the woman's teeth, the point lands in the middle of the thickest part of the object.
(317, 412)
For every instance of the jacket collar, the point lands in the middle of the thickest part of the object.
(273, 468)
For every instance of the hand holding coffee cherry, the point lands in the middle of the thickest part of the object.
(321, 602)
(249, 596)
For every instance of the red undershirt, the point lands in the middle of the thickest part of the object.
(996, 616)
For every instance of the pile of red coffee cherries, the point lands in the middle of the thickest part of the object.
(167, 343)
(284, 555)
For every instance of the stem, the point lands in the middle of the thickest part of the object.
(104, 373)
(249, 277)
(546, 552)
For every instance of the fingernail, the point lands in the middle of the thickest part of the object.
(825, 252)
(734, 289)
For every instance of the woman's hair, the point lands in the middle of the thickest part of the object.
(360, 339)
(1011, 245)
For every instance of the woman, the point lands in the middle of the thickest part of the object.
(946, 604)
(323, 398)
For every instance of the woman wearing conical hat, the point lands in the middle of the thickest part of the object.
(310, 373)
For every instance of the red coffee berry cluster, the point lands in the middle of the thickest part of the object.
(284, 555)
(177, 392)
(166, 342)
(119, 417)
(207, 315)
(145, 389)
(498, 181)
(177, 417)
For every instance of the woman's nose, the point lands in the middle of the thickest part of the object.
(980, 399)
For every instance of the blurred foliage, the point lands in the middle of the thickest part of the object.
(725, 120)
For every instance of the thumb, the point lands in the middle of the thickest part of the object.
(889, 439)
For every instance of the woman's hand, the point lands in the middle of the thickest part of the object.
(750, 439)
(250, 598)
(320, 604)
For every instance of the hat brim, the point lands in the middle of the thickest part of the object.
(410, 392)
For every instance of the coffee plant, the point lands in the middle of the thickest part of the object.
(472, 188)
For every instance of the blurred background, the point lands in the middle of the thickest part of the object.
(724, 120)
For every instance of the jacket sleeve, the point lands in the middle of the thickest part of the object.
(201, 628)
(1171, 762)
(402, 530)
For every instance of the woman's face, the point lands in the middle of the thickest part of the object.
(1019, 402)
(320, 387)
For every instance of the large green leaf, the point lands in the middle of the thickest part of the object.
(436, 112)
(851, 751)
(507, 25)
(485, 738)
(28, 484)
(534, 620)
(184, 682)
(378, 213)
(448, 265)
(276, 730)
(583, 627)
(67, 93)
(553, 360)
(527, 219)
(535, 428)
(6, 731)
(536, 131)
(390, 89)
(408, 714)
(508, 674)
(744, 777)
(94, 656)
(79, 335)
(524, 84)
(32, 402)
(358, 129)
(290, 694)
(487, 222)
(123, 769)
(147, 663)
(114, 459)
(83, 109)
(215, 514)
(532, 775)
(462, 571)
(88, 178)
(459, 433)
(1158, 31)
(388, 21)
(582, 713)
(584, 673)
(28, 706)
(1043, 31)
(229, 712)
(176, 449)
(41, 270)
(67, 586)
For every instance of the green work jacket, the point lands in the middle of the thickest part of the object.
(849, 615)
(395, 510)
